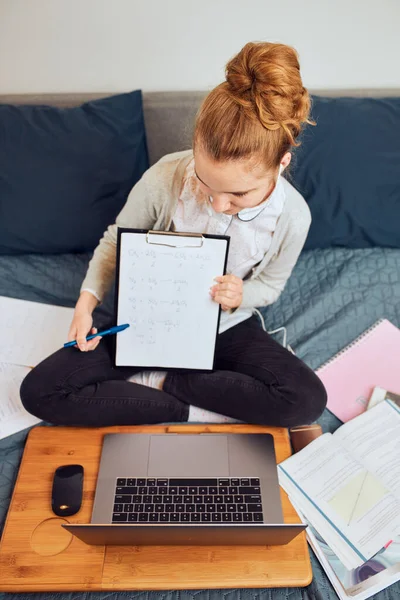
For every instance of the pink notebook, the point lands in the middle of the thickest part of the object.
(373, 359)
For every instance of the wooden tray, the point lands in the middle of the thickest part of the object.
(37, 554)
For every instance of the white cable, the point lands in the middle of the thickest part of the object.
(285, 344)
(259, 315)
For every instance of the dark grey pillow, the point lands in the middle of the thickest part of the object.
(348, 170)
(66, 173)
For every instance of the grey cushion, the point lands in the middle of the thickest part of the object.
(169, 119)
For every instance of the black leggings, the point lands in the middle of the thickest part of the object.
(255, 380)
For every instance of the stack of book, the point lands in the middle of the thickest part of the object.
(346, 485)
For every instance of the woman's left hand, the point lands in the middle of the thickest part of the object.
(228, 292)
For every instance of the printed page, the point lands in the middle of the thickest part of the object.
(341, 548)
(13, 416)
(164, 296)
(353, 500)
(373, 438)
(31, 331)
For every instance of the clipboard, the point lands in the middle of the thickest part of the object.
(162, 290)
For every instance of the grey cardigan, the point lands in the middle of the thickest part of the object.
(151, 204)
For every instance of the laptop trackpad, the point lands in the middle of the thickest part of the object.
(188, 455)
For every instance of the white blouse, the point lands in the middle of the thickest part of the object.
(249, 239)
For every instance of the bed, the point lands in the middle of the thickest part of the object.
(333, 295)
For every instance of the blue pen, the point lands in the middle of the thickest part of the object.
(110, 331)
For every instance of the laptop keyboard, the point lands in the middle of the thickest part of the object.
(195, 500)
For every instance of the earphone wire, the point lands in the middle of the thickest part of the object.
(274, 331)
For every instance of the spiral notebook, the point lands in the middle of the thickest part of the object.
(373, 359)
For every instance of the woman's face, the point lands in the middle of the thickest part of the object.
(235, 185)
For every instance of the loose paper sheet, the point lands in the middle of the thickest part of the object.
(13, 416)
(31, 331)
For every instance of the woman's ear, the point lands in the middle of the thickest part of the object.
(285, 162)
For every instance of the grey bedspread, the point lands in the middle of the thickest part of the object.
(332, 297)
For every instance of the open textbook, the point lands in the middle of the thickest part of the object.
(347, 484)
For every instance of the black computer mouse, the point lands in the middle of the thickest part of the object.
(66, 495)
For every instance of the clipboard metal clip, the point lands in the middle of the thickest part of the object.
(165, 239)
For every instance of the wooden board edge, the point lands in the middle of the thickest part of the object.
(31, 434)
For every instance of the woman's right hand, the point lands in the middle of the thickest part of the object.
(81, 326)
(82, 322)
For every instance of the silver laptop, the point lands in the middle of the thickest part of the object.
(179, 489)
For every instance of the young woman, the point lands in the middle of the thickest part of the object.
(231, 184)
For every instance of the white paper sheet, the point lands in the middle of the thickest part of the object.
(164, 296)
(13, 416)
(31, 331)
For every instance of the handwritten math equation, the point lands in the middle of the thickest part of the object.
(181, 258)
(155, 303)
